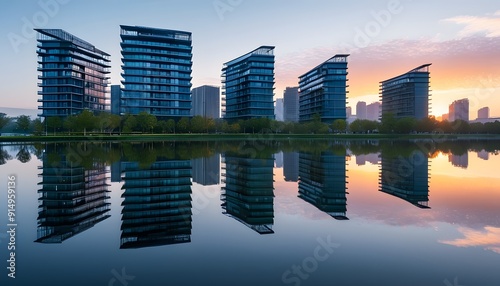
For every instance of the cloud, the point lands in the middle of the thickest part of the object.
(487, 25)
(489, 238)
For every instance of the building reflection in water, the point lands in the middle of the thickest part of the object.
(157, 203)
(323, 181)
(291, 166)
(461, 161)
(73, 198)
(206, 170)
(483, 155)
(248, 195)
(406, 177)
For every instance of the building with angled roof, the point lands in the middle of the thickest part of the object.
(248, 85)
(157, 66)
(73, 74)
(323, 91)
(407, 95)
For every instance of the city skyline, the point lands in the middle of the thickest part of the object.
(378, 33)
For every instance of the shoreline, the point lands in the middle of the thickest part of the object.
(223, 137)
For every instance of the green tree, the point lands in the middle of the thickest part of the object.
(85, 121)
(356, 126)
(388, 123)
(4, 120)
(339, 125)
(54, 123)
(37, 126)
(23, 123)
(129, 123)
(198, 124)
(162, 126)
(146, 122)
(23, 155)
(183, 125)
(171, 126)
(107, 122)
(405, 125)
(70, 123)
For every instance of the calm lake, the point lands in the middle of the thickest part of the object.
(257, 212)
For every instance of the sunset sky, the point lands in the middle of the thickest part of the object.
(385, 38)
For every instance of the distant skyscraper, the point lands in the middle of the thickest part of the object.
(348, 111)
(115, 99)
(291, 104)
(323, 91)
(459, 109)
(156, 72)
(361, 110)
(206, 171)
(461, 161)
(483, 113)
(278, 109)
(483, 154)
(248, 85)
(407, 95)
(291, 166)
(206, 101)
(74, 74)
(373, 111)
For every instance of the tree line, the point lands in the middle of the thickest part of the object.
(146, 123)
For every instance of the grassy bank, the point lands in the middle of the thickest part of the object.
(208, 137)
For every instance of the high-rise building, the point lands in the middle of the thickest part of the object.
(323, 91)
(156, 203)
(206, 171)
(248, 195)
(461, 161)
(291, 166)
(156, 72)
(348, 111)
(459, 109)
(407, 95)
(483, 113)
(291, 104)
(72, 199)
(373, 111)
(361, 110)
(248, 85)
(115, 99)
(278, 109)
(74, 74)
(323, 182)
(206, 101)
(406, 177)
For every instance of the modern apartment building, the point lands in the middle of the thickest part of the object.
(459, 109)
(407, 95)
(206, 101)
(156, 72)
(73, 74)
(291, 104)
(248, 85)
(323, 91)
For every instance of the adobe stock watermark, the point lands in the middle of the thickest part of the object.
(120, 278)
(297, 273)
(48, 9)
(224, 6)
(11, 225)
(381, 19)
(455, 282)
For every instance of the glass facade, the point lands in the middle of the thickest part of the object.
(407, 95)
(406, 177)
(248, 85)
(156, 72)
(323, 181)
(73, 198)
(73, 74)
(248, 195)
(323, 91)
